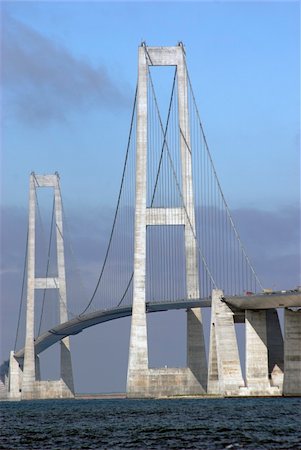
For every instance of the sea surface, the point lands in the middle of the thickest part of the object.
(262, 423)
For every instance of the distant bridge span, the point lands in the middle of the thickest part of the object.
(80, 323)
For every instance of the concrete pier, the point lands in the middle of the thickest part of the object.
(15, 378)
(292, 353)
(257, 377)
(264, 352)
(196, 353)
(224, 373)
(275, 349)
(257, 360)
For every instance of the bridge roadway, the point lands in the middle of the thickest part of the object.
(239, 304)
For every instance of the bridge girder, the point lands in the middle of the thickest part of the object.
(238, 304)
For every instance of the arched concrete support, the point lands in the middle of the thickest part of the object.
(292, 353)
(224, 374)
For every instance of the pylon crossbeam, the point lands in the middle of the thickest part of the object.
(47, 283)
(165, 216)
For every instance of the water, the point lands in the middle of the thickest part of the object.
(268, 423)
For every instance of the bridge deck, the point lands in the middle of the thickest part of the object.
(266, 301)
(79, 323)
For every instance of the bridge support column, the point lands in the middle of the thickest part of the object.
(224, 374)
(264, 353)
(66, 365)
(257, 364)
(292, 353)
(256, 352)
(32, 386)
(15, 378)
(275, 349)
(196, 353)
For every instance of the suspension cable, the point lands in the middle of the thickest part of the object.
(165, 144)
(73, 255)
(164, 137)
(22, 289)
(179, 189)
(117, 206)
(62, 301)
(47, 266)
(217, 180)
(126, 290)
(157, 175)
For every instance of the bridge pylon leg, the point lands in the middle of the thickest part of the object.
(143, 381)
(29, 371)
(32, 387)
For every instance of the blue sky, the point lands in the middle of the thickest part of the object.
(243, 60)
(68, 81)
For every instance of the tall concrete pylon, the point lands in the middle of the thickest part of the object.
(32, 387)
(141, 380)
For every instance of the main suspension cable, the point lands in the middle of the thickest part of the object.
(22, 289)
(117, 206)
(69, 243)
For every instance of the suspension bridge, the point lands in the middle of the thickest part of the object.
(173, 245)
